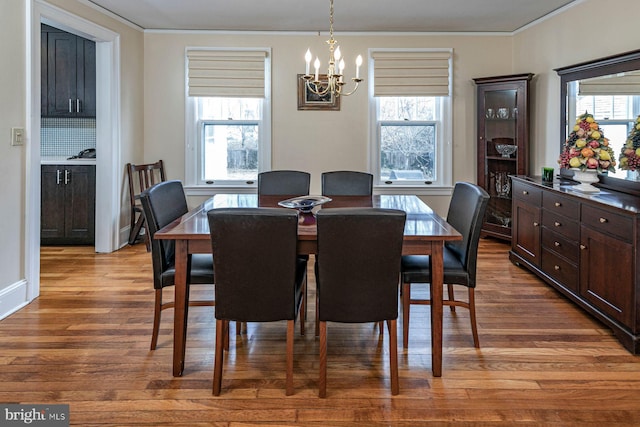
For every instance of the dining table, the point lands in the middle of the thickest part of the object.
(425, 233)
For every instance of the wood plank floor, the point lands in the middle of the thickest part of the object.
(85, 342)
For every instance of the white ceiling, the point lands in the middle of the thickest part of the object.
(349, 15)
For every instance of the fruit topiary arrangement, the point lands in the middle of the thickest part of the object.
(587, 148)
(630, 154)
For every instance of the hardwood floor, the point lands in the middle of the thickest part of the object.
(85, 342)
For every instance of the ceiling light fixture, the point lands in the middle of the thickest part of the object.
(335, 83)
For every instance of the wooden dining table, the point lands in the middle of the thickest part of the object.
(424, 234)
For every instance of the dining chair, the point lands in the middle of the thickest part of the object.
(162, 204)
(286, 183)
(347, 183)
(259, 277)
(141, 177)
(358, 271)
(283, 183)
(466, 214)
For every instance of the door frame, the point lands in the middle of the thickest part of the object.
(108, 133)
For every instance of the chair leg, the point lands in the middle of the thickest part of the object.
(393, 356)
(290, 333)
(317, 322)
(221, 332)
(157, 312)
(472, 316)
(322, 381)
(406, 305)
(451, 297)
(303, 309)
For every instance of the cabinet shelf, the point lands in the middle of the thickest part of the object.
(508, 97)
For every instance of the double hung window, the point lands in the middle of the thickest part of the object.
(411, 119)
(228, 110)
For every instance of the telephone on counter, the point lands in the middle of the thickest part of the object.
(89, 153)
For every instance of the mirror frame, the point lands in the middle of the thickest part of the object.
(628, 61)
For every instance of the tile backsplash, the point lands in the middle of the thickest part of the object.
(66, 136)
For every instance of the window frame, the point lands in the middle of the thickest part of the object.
(194, 137)
(443, 185)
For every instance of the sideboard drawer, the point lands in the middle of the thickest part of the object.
(608, 222)
(561, 245)
(558, 204)
(561, 270)
(531, 194)
(561, 224)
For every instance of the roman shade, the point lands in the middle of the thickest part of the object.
(412, 72)
(226, 73)
(627, 84)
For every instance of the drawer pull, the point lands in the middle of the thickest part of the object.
(557, 204)
(603, 220)
(583, 247)
(525, 192)
(556, 267)
(557, 224)
(535, 224)
(557, 244)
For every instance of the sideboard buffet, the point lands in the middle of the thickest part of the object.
(587, 246)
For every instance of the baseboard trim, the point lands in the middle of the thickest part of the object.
(13, 298)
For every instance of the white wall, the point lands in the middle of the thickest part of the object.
(13, 104)
(314, 141)
(590, 30)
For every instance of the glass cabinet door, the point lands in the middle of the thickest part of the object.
(503, 145)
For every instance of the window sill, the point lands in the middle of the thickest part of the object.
(418, 190)
(211, 190)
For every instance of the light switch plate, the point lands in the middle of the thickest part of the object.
(17, 136)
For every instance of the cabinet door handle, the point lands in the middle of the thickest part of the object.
(58, 177)
(70, 107)
(66, 176)
(556, 267)
(603, 220)
(557, 224)
(525, 192)
(77, 105)
(535, 224)
(557, 204)
(583, 247)
(556, 244)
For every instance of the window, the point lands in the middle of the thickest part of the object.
(227, 120)
(411, 129)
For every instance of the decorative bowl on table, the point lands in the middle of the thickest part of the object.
(304, 204)
(506, 150)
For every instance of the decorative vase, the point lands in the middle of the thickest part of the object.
(585, 178)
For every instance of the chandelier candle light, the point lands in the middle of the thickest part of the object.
(335, 82)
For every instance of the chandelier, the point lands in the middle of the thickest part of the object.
(335, 82)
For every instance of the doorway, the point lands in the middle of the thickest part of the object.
(107, 135)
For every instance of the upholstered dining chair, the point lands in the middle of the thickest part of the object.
(466, 214)
(358, 272)
(283, 183)
(259, 277)
(286, 183)
(162, 204)
(141, 177)
(347, 183)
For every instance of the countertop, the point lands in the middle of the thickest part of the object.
(65, 161)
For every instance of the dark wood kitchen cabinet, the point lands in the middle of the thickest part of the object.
(503, 145)
(585, 246)
(68, 74)
(67, 214)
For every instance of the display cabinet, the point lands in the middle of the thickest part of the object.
(503, 145)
